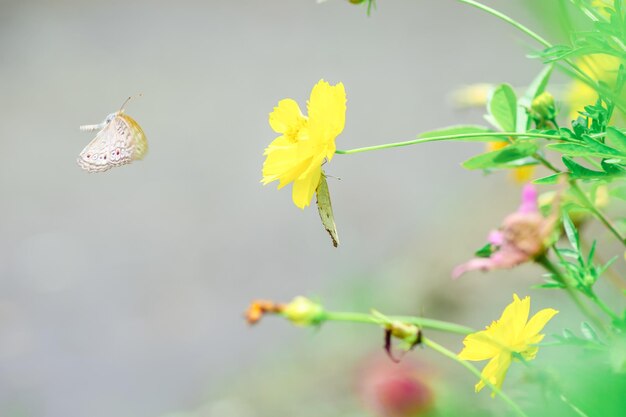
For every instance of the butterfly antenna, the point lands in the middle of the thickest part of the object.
(127, 100)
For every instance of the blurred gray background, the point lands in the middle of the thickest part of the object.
(121, 294)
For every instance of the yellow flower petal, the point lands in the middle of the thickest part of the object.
(305, 186)
(495, 371)
(537, 322)
(284, 162)
(306, 143)
(512, 334)
(514, 318)
(479, 346)
(286, 116)
(327, 111)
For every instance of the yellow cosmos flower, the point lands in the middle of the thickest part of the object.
(305, 142)
(513, 335)
(599, 67)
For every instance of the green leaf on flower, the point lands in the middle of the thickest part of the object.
(485, 251)
(502, 156)
(464, 130)
(502, 108)
(326, 210)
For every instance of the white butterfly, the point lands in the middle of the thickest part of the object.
(120, 141)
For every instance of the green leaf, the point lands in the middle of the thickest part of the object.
(588, 332)
(619, 192)
(326, 210)
(592, 252)
(464, 130)
(569, 253)
(571, 232)
(580, 172)
(537, 86)
(550, 179)
(502, 107)
(548, 285)
(596, 149)
(499, 157)
(485, 251)
(617, 138)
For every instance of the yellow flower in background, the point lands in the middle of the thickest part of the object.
(305, 142)
(520, 175)
(600, 6)
(600, 67)
(512, 335)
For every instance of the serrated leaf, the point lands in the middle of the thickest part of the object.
(502, 107)
(597, 150)
(463, 130)
(499, 157)
(617, 138)
(578, 171)
(325, 210)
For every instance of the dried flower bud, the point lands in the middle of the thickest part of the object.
(258, 308)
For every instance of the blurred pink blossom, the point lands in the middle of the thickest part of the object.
(521, 238)
(392, 389)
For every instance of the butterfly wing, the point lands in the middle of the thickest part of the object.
(325, 210)
(138, 139)
(119, 143)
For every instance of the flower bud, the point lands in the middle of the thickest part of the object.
(543, 110)
(303, 312)
(404, 331)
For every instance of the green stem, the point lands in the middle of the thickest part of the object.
(546, 163)
(579, 73)
(556, 273)
(604, 307)
(589, 205)
(443, 326)
(508, 20)
(446, 137)
(451, 355)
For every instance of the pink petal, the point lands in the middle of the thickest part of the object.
(529, 200)
(496, 238)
